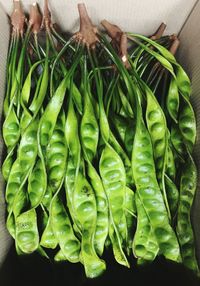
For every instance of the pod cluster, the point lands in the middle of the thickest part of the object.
(99, 140)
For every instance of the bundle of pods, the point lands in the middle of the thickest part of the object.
(99, 140)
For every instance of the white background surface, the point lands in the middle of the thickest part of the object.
(141, 16)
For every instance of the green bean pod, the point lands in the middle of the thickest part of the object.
(172, 100)
(145, 246)
(11, 135)
(158, 131)
(170, 165)
(102, 222)
(56, 165)
(45, 132)
(130, 213)
(89, 139)
(27, 153)
(120, 125)
(129, 136)
(86, 212)
(11, 128)
(48, 239)
(89, 128)
(184, 230)
(127, 163)
(172, 195)
(183, 81)
(20, 200)
(114, 180)
(73, 162)
(187, 123)
(27, 235)
(63, 231)
(59, 256)
(149, 193)
(56, 159)
(27, 116)
(114, 164)
(125, 104)
(177, 141)
(37, 184)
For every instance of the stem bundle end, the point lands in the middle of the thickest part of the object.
(119, 40)
(88, 32)
(174, 47)
(158, 34)
(46, 16)
(35, 19)
(17, 18)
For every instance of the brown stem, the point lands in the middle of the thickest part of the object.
(113, 31)
(173, 37)
(17, 18)
(46, 16)
(119, 40)
(123, 50)
(158, 34)
(174, 47)
(35, 19)
(88, 32)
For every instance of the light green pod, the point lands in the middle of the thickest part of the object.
(145, 246)
(27, 235)
(86, 212)
(63, 231)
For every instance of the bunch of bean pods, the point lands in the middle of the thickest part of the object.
(99, 133)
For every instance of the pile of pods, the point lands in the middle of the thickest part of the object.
(99, 133)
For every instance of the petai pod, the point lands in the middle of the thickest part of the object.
(184, 228)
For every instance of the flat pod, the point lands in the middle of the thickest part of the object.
(184, 229)
(56, 158)
(172, 195)
(145, 246)
(37, 184)
(130, 213)
(126, 161)
(89, 139)
(59, 256)
(170, 164)
(70, 178)
(86, 212)
(149, 193)
(27, 235)
(63, 231)
(177, 140)
(102, 221)
(129, 137)
(89, 128)
(172, 100)
(114, 180)
(24, 163)
(187, 124)
(48, 239)
(11, 129)
(119, 125)
(72, 134)
(73, 162)
(158, 131)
